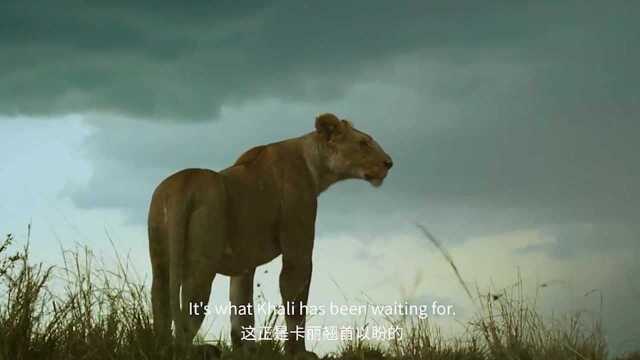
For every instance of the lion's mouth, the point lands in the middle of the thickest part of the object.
(375, 180)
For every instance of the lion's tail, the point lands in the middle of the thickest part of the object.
(177, 240)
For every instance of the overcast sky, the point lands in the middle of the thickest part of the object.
(513, 126)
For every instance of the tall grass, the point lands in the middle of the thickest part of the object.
(84, 310)
(72, 312)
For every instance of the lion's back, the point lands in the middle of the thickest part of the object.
(183, 190)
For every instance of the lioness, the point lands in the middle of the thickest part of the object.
(203, 223)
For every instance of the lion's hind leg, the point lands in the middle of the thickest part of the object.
(160, 296)
(241, 294)
(203, 252)
(195, 296)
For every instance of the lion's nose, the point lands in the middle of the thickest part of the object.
(388, 164)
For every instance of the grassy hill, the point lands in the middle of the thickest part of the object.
(84, 312)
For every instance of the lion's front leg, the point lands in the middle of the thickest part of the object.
(295, 278)
(296, 242)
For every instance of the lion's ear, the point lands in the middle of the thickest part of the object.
(347, 123)
(327, 125)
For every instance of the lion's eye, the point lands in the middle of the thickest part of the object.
(364, 143)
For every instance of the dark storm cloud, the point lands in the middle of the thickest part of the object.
(502, 116)
(171, 60)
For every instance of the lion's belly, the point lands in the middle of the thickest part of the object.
(243, 253)
(249, 243)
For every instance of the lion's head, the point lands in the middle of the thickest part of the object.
(352, 153)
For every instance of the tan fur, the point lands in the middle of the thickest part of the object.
(202, 222)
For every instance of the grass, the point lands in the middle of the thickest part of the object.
(86, 311)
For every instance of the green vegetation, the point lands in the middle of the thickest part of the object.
(82, 311)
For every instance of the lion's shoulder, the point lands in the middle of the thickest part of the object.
(250, 155)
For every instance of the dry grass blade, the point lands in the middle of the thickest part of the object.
(447, 257)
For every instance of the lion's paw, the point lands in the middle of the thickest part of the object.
(206, 352)
(306, 355)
